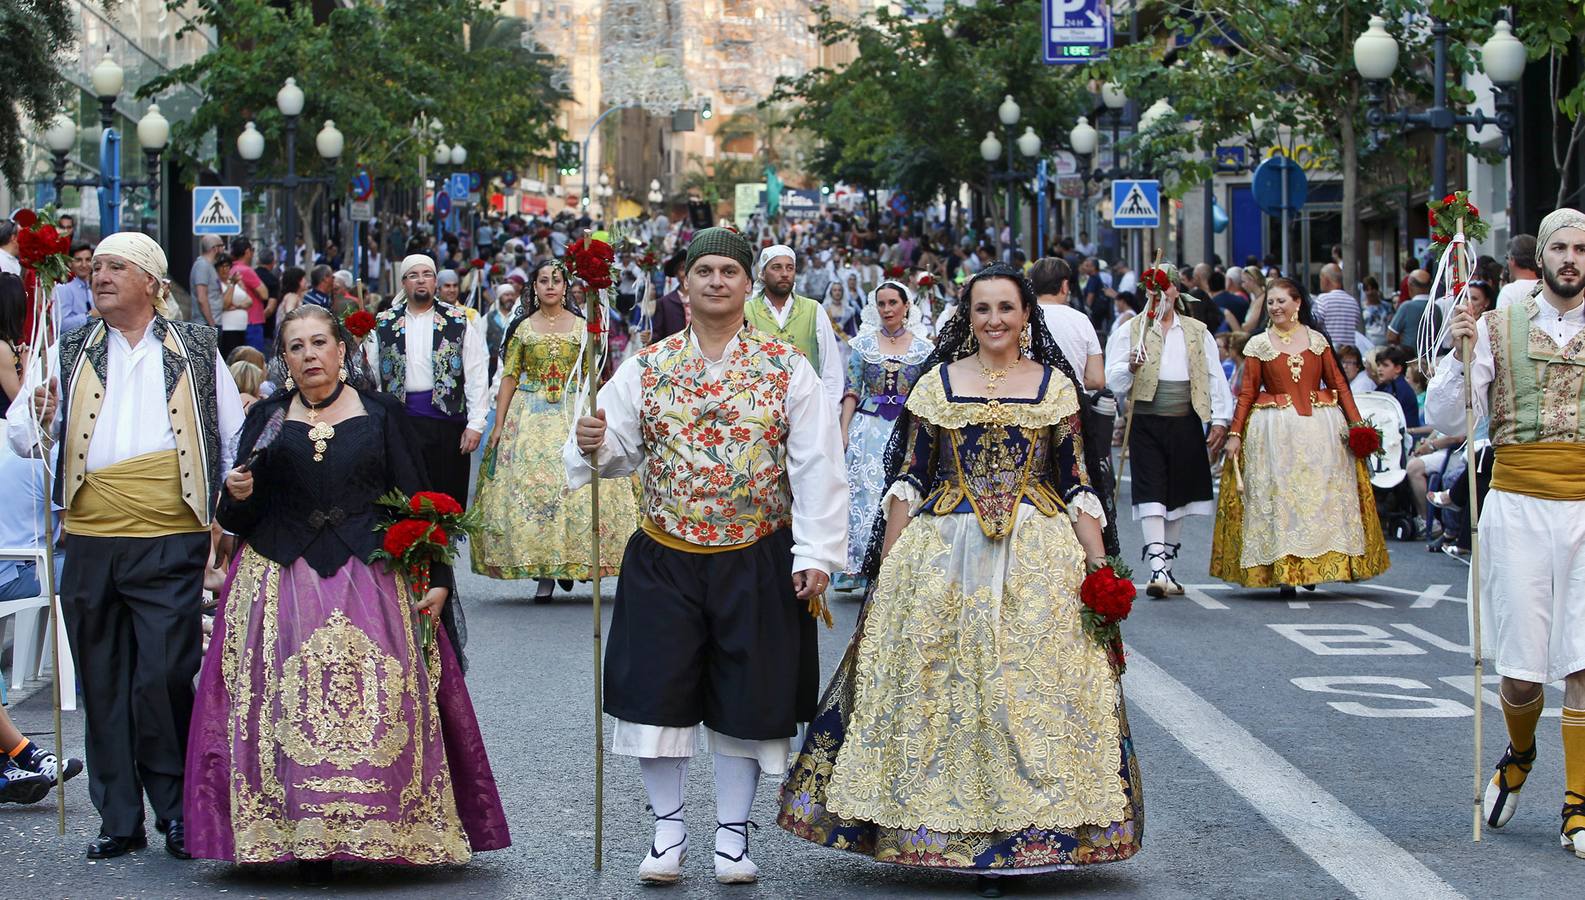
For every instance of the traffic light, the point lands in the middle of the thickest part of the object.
(567, 157)
(705, 111)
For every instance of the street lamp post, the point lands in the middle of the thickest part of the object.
(1084, 140)
(250, 146)
(1502, 58)
(656, 198)
(1028, 145)
(153, 130)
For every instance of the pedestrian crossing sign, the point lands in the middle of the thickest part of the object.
(217, 210)
(1136, 204)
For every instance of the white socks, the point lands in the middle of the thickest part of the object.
(664, 780)
(1174, 527)
(736, 779)
(1160, 535)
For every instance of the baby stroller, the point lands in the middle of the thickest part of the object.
(1389, 469)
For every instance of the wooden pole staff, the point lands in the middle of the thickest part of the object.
(595, 326)
(47, 329)
(1466, 352)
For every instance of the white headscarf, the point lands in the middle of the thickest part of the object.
(1555, 221)
(773, 251)
(414, 260)
(870, 318)
(145, 253)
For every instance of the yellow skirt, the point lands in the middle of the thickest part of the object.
(1306, 515)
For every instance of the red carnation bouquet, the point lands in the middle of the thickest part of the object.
(1108, 596)
(1363, 439)
(44, 249)
(1445, 215)
(358, 322)
(895, 271)
(926, 280)
(420, 532)
(1156, 280)
(592, 261)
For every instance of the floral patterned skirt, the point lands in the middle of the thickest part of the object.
(1306, 515)
(535, 526)
(973, 724)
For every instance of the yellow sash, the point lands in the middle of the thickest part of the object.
(1549, 470)
(139, 497)
(672, 542)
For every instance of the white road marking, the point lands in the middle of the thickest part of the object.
(1350, 849)
(1196, 592)
(1432, 593)
(1435, 640)
(1298, 604)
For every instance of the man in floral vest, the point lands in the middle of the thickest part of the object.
(433, 357)
(744, 517)
(1526, 374)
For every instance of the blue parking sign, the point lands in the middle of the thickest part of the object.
(1136, 204)
(1075, 31)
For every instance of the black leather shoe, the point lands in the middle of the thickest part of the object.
(109, 847)
(176, 839)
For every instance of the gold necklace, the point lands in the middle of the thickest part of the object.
(320, 432)
(1286, 335)
(551, 322)
(993, 376)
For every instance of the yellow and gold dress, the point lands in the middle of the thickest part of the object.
(535, 526)
(974, 723)
(1306, 514)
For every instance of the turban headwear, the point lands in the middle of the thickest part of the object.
(145, 253)
(414, 260)
(1555, 221)
(720, 241)
(447, 276)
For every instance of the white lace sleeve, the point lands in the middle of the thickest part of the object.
(903, 490)
(1087, 501)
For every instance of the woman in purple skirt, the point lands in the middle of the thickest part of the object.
(323, 728)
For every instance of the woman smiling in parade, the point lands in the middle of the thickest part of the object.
(535, 527)
(976, 724)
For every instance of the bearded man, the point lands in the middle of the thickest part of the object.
(1527, 374)
(149, 422)
(776, 311)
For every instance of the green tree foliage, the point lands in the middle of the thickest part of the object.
(35, 36)
(373, 68)
(911, 110)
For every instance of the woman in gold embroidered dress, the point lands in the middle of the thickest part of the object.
(323, 728)
(1306, 513)
(535, 526)
(974, 724)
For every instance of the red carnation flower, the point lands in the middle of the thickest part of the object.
(359, 323)
(1431, 217)
(543, 234)
(1474, 211)
(25, 218)
(1109, 596)
(926, 281)
(401, 536)
(1450, 198)
(894, 272)
(478, 263)
(49, 236)
(1363, 441)
(440, 502)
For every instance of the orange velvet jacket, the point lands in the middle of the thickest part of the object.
(1273, 379)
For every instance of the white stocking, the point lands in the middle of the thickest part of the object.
(1170, 538)
(736, 778)
(664, 780)
(1154, 530)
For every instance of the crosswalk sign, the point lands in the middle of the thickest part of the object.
(217, 210)
(1136, 204)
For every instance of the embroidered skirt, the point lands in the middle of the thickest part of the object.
(323, 730)
(866, 459)
(973, 723)
(1307, 514)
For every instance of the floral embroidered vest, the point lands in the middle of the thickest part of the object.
(451, 326)
(1149, 374)
(1538, 393)
(716, 467)
(801, 330)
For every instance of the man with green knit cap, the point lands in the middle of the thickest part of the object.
(744, 517)
(775, 310)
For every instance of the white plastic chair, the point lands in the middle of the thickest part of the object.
(31, 624)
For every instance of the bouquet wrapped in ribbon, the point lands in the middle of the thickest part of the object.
(419, 532)
(1108, 597)
(1363, 439)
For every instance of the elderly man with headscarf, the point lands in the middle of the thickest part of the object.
(800, 321)
(1528, 376)
(143, 419)
(433, 356)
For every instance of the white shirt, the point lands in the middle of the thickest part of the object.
(1174, 366)
(832, 378)
(133, 419)
(1444, 397)
(1127, 282)
(1074, 333)
(814, 456)
(1514, 291)
(22, 518)
(9, 263)
(420, 352)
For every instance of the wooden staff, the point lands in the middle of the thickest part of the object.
(1467, 353)
(591, 363)
(46, 330)
(1128, 420)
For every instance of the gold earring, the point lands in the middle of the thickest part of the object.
(1026, 341)
(290, 384)
(343, 373)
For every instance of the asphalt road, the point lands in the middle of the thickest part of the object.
(1314, 748)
